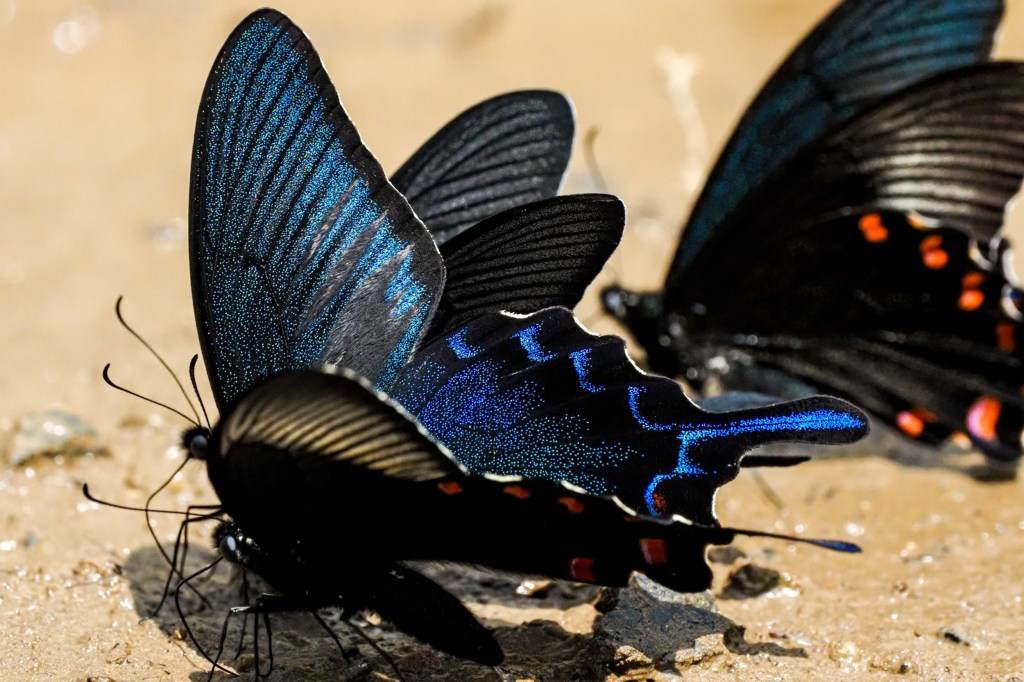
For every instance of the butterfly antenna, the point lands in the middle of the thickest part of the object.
(110, 382)
(181, 387)
(195, 387)
(92, 498)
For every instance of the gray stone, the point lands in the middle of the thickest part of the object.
(654, 628)
(52, 433)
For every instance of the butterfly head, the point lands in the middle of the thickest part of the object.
(196, 442)
(643, 313)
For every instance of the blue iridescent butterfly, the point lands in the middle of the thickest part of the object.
(847, 238)
(303, 254)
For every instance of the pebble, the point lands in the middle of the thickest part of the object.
(51, 433)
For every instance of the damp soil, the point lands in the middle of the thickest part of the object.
(97, 105)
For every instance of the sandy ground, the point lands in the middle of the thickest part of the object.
(97, 107)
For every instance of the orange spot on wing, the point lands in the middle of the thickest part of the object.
(932, 252)
(1006, 337)
(973, 280)
(449, 487)
(960, 439)
(971, 299)
(653, 550)
(910, 424)
(873, 229)
(582, 569)
(572, 504)
(516, 491)
(983, 416)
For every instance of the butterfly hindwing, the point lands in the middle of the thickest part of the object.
(328, 447)
(525, 259)
(863, 51)
(541, 397)
(296, 236)
(504, 152)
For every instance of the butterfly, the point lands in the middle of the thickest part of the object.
(847, 238)
(460, 428)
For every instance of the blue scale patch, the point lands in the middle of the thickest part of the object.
(295, 227)
(540, 397)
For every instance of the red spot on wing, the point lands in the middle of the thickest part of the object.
(1006, 337)
(572, 504)
(913, 421)
(973, 280)
(932, 253)
(910, 424)
(873, 229)
(659, 503)
(960, 439)
(972, 297)
(516, 491)
(653, 550)
(983, 416)
(449, 487)
(582, 569)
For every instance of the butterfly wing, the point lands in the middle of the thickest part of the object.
(528, 258)
(504, 152)
(298, 243)
(326, 447)
(863, 51)
(539, 396)
(863, 276)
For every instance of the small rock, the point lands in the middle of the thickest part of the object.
(751, 580)
(52, 433)
(952, 636)
(652, 627)
(536, 589)
(726, 555)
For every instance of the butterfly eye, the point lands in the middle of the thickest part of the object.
(612, 297)
(197, 442)
(228, 547)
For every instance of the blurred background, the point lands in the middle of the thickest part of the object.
(97, 111)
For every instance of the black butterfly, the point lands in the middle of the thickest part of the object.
(846, 239)
(304, 255)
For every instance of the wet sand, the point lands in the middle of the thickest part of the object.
(96, 121)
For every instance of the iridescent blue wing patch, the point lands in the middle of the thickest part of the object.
(504, 152)
(298, 243)
(528, 258)
(540, 397)
(863, 51)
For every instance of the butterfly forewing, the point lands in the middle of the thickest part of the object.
(282, 187)
(863, 51)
